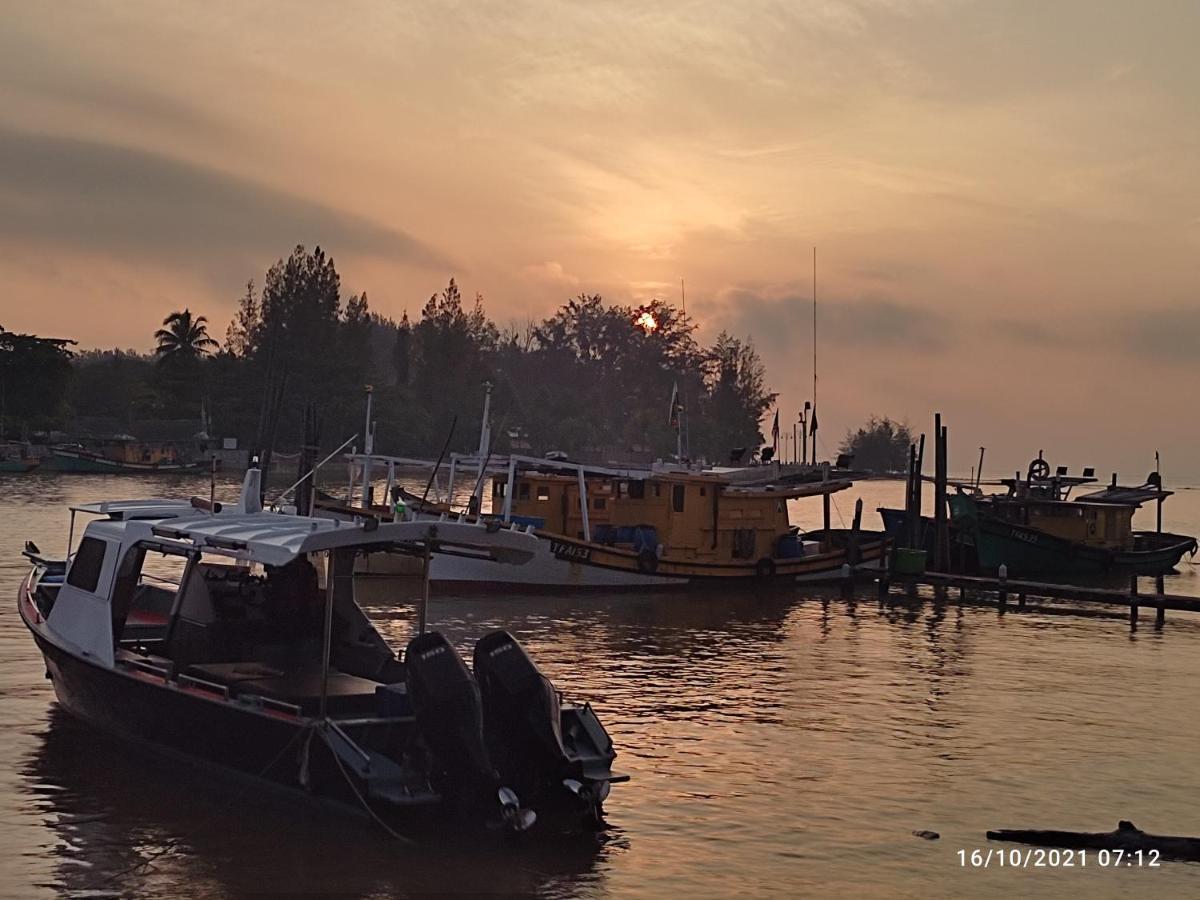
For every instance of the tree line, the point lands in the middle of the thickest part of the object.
(593, 377)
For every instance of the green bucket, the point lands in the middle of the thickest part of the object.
(908, 562)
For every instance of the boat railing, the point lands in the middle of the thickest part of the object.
(366, 721)
(204, 684)
(271, 703)
(149, 666)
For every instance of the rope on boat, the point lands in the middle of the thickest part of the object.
(362, 800)
(307, 730)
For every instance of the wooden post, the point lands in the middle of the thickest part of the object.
(910, 527)
(1021, 600)
(1003, 593)
(918, 499)
(852, 548)
(939, 495)
(1133, 602)
(825, 510)
(1160, 613)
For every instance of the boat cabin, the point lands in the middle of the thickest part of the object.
(1107, 525)
(678, 515)
(237, 602)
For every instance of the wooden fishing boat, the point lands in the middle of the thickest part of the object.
(665, 527)
(14, 458)
(250, 662)
(120, 456)
(1035, 529)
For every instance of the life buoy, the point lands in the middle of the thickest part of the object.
(647, 562)
(1038, 470)
(765, 568)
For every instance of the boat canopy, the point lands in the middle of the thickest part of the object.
(276, 539)
(1127, 496)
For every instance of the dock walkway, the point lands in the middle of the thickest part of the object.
(1006, 590)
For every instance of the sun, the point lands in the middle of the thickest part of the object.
(646, 322)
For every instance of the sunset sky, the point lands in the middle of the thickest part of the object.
(1005, 196)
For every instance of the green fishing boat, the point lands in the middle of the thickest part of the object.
(14, 458)
(122, 455)
(1035, 529)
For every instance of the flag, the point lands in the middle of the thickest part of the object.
(812, 421)
(775, 432)
(676, 407)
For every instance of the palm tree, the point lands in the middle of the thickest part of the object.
(184, 337)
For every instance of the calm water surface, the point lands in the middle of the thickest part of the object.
(780, 745)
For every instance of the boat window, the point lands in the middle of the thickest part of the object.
(523, 490)
(657, 490)
(502, 489)
(744, 541)
(677, 497)
(637, 490)
(703, 491)
(543, 492)
(599, 503)
(85, 568)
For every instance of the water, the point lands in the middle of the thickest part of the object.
(780, 745)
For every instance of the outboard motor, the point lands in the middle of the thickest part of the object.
(554, 754)
(521, 714)
(446, 700)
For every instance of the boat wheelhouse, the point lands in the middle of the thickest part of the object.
(261, 660)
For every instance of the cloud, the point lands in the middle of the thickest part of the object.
(550, 272)
(1028, 332)
(99, 196)
(1166, 334)
(781, 319)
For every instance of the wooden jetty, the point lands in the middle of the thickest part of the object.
(1001, 592)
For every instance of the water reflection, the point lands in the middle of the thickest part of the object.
(780, 744)
(129, 822)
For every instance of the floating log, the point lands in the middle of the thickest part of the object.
(1127, 837)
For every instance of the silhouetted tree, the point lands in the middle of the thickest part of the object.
(34, 375)
(880, 446)
(737, 398)
(184, 337)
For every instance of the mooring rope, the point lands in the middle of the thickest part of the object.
(361, 799)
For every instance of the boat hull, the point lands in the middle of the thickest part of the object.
(18, 466)
(67, 461)
(1028, 551)
(561, 563)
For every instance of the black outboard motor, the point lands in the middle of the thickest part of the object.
(446, 701)
(521, 714)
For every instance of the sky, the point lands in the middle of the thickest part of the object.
(1004, 197)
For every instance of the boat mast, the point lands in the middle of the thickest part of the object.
(368, 449)
(485, 444)
(685, 421)
(813, 419)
